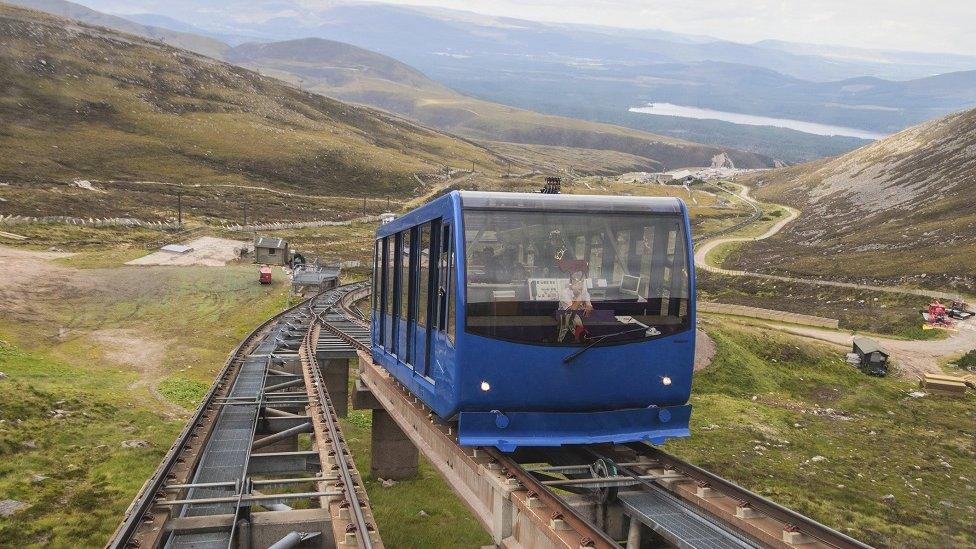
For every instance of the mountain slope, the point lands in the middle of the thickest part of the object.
(598, 74)
(176, 38)
(902, 207)
(354, 74)
(82, 102)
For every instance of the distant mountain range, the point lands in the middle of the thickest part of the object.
(361, 76)
(354, 74)
(904, 206)
(598, 73)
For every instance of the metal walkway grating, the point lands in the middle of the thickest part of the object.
(677, 523)
(226, 454)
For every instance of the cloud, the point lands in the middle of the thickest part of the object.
(933, 25)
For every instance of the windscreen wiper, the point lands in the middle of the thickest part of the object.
(572, 356)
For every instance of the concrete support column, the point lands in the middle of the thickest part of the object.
(394, 455)
(335, 373)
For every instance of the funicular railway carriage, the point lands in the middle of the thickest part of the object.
(540, 320)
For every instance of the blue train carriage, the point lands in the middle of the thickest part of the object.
(540, 320)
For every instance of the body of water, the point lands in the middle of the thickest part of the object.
(668, 109)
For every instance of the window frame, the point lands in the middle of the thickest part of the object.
(631, 243)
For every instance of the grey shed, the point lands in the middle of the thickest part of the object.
(873, 356)
(270, 250)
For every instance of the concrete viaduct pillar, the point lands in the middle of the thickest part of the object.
(393, 454)
(335, 374)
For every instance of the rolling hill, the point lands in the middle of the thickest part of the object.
(354, 74)
(89, 103)
(597, 73)
(903, 208)
(358, 75)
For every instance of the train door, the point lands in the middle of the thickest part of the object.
(425, 257)
(439, 295)
(376, 315)
(405, 285)
(386, 335)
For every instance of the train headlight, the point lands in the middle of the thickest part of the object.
(666, 381)
(485, 386)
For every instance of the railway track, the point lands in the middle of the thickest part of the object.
(211, 487)
(577, 490)
(573, 497)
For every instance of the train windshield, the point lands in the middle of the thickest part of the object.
(563, 278)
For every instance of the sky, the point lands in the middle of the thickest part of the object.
(914, 25)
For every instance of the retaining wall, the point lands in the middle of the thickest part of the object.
(768, 314)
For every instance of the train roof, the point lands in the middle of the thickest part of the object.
(568, 202)
(505, 201)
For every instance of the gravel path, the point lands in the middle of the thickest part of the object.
(912, 357)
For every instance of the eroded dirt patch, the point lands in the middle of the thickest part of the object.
(133, 350)
(704, 350)
(30, 282)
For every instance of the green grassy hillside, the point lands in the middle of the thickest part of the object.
(80, 102)
(795, 423)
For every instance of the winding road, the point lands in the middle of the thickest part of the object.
(913, 357)
(702, 251)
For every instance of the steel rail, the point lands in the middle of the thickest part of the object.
(363, 538)
(590, 534)
(146, 497)
(788, 517)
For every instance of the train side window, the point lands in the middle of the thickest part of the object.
(395, 271)
(451, 315)
(423, 279)
(434, 262)
(376, 276)
(405, 293)
(387, 294)
(444, 278)
(384, 290)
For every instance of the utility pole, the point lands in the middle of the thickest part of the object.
(179, 208)
(245, 213)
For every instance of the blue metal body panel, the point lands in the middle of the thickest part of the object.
(612, 393)
(507, 431)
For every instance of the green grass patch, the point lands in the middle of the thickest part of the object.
(418, 513)
(967, 361)
(72, 471)
(185, 392)
(768, 405)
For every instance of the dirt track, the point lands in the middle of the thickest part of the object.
(911, 357)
